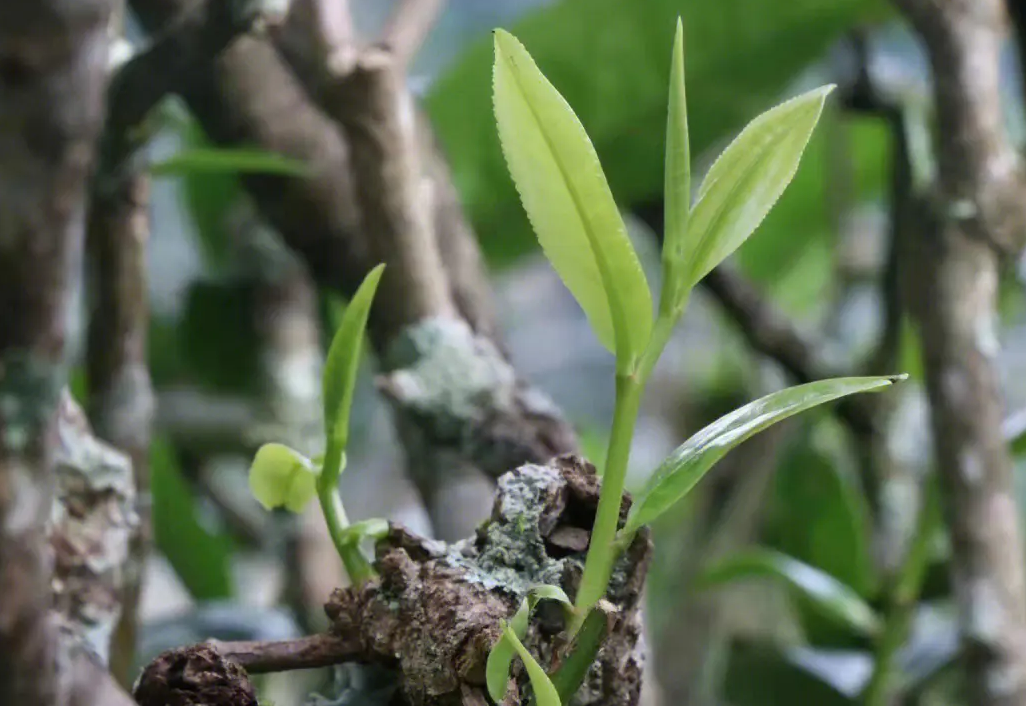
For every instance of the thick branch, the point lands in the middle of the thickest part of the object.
(52, 76)
(376, 111)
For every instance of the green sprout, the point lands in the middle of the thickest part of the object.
(283, 477)
(572, 211)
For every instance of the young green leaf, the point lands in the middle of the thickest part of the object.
(831, 597)
(282, 477)
(191, 161)
(746, 180)
(677, 187)
(572, 672)
(341, 366)
(499, 659)
(569, 203)
(679, 473)
(545, 693)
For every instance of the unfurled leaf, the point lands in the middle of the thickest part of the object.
(677, 189)
(679, 473)
(340, 369)
(568, 201)
(746, 180)
(545, 693)
(190, 161)
(829, 596)
(499, 659)
(282, 477)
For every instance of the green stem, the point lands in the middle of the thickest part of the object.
(903, 598)
(356, 565)
(602, 550)
(604, 547)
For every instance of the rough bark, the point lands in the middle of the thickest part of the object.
(974, 211)
(52, 79)
(91, 527)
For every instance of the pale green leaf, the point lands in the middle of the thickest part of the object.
(502, 653)
(679, 473)
(677, 188)
(340, 369)
(282, 477)
(747, 179)
(545, 693)
(568, 201)
(191, 161)
(831, 597)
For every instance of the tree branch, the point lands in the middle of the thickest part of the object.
(408, 26)
(121, 398)
(262, 657)
(980, 171)
(976, 207)
(52, 75)
(121, 395)
(184, 47)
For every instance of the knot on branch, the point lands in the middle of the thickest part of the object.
(434, 612)
(194, 676)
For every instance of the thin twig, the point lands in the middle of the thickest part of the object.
(262, 657)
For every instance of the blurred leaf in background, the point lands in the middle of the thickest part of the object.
(201, 557)
(817, 513)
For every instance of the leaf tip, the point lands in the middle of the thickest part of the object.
(895, 379)
(503, 41)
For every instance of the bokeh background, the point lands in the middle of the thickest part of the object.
(729, 621)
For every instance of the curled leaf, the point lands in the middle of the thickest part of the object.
(545, 693)
(282, 477)
(503, 652)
